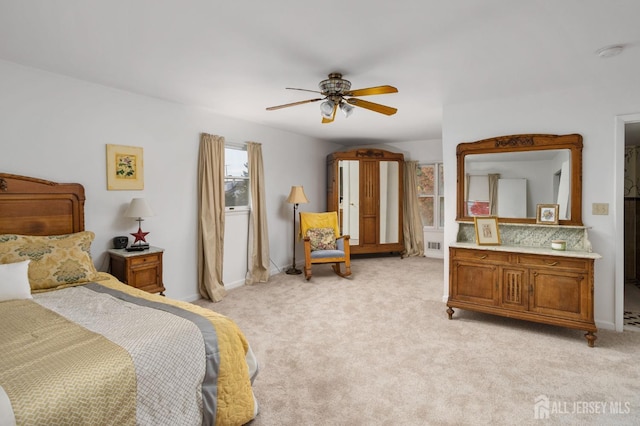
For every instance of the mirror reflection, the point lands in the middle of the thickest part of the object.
(541, 168)
(389, 202)
(349, 214)
(511, 184)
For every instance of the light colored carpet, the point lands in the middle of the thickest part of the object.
(379, 349)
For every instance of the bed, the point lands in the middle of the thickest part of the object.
(77, 346)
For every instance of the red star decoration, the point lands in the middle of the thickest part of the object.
(139, 235)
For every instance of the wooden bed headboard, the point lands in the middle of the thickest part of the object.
(30, 206)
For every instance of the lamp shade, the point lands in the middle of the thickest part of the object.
(326, 108)
(296, 196)
(346, 109)
(138, 208)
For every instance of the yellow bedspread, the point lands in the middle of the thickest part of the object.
(56, 372)
(235, 396)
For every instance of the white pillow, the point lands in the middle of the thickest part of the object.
(14, 281)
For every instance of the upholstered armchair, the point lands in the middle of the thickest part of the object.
(323, 242)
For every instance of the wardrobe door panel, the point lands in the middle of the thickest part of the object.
(369, 203)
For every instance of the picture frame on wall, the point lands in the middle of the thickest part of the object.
(125, 168)
(547, 214)
(487, 231)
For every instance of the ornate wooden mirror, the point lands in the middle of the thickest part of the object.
(508, 176)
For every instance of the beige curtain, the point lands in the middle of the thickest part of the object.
(412, 223)
(211, 217)
(258, 233)
(493, 193)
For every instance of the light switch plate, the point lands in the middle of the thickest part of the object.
(600, 209)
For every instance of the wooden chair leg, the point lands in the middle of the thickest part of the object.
(347, 267)
(336, 268)
(307, 272)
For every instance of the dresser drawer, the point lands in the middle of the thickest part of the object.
(141, 260)
(479, 255)
(554, 262)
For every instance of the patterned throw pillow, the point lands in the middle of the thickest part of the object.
(58, 260)
(322, 238)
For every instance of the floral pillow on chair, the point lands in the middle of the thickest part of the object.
(322, 238)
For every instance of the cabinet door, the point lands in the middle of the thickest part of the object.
(146, 273)
(559, 293)
(475, 282)
(515, 289)
(369, 199)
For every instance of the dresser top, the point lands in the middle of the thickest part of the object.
(532, 250)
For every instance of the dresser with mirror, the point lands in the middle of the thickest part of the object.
(365, 187)
(522, 277)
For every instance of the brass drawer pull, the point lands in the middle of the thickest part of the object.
(484, 256)
(551, 264)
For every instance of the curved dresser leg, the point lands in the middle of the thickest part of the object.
(591, 338)
(450, 312)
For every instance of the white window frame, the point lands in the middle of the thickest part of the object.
(436, 197)
(238, 147)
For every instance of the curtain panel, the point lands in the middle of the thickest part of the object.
(412, 223)
(258, 232)
(211, 217)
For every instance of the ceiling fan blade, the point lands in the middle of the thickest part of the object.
(293, 104)
(378, 90)
(326, 120)
(383, 109)
(304, 90)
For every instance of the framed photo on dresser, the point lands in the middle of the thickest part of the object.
(487, 231)
(547, 214)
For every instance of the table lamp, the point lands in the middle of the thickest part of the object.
(139, 209)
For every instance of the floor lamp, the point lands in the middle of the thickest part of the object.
(296, 196)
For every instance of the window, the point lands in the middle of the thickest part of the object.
(431, 195)
(236, 178)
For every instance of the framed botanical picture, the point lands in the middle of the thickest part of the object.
(547, 214)
(487, 231)
(125, 168)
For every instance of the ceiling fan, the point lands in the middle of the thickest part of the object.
(337, 93)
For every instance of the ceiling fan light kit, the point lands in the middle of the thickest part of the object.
(346, 109)
(338, 94)
(326, 108)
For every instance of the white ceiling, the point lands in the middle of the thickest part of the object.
(237, 57)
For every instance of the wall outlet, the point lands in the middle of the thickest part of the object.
(600, 209)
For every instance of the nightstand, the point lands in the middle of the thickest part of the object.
(139, 269)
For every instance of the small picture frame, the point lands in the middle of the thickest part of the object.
(487, 231)
(547, 214)
(125, 168)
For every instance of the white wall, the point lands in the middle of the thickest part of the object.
(56, 128)
(424, 152)
(590, 112)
